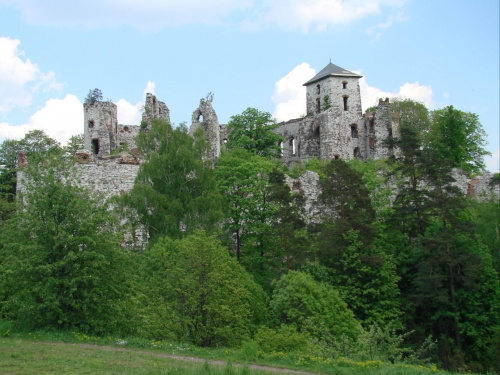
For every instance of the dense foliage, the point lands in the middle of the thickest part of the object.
(398, 266)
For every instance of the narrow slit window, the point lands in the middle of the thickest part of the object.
(91, 124)
(345, 103)
(318, 89)
(318, 105)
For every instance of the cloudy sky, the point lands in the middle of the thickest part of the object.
(249, 53)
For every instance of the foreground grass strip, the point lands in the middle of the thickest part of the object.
(31, 357)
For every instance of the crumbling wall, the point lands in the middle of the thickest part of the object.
(154, 109)
(205, 117)
(127, 134)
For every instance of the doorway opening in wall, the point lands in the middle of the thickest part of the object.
(336, 156)
(95, 146)
(357, 153)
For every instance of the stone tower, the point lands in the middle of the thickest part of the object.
(206, 118)
(334, 98)
(100, 127)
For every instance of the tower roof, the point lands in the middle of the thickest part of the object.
(331, 70)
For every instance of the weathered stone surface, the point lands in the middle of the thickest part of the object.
(205, 117)
(83, 157)
(154, 109)
(21, 159)
(100, 127)
(126, 158)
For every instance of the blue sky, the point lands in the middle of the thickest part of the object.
(249, 53)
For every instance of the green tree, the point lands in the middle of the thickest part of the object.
(93, 96)
(287, 218)
(459, 136)
(300, 300)
(253, 131)
(64, 266)
(175, 191)
(36, 145)
(346, 244)
(413, 115)
(208, 297)
(242, 181)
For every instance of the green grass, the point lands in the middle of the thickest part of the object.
(62, 352)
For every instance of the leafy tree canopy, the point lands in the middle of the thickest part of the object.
(61, 252)
(459, 136)
(253, 131)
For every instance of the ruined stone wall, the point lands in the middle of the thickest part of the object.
(113, 175)
(205, 117)
(154, 109)
(100, 127)
(127, 134)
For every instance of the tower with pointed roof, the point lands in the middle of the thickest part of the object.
(334, 126)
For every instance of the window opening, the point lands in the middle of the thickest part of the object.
(318, 105)
(95, 146)
(318, 89)
(91, 124)
(357, 153)
(336, 156)
(354, 131)
(344, 85)
(292, 146)
(345, 103)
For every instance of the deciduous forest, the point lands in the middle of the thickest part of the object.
(399, 266)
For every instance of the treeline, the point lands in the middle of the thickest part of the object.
(407, 275)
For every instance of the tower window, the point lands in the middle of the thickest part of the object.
(345, 103)
(95, 146)
(318, 89)
(390, 132)
(344, 85)
(318, 105)
(281, 147)
(91, 124)
(292, 146)
(354, 131)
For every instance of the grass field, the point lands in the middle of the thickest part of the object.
(68, 352)
(27, 356)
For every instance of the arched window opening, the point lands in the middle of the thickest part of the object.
(354, 131)
(125, 128)
(281, 146)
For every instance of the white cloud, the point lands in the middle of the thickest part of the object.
(19, 77)
(319, 15)
(370, 95)
(290, 94)
(154, 15)
(62, 118)
(59, 119)
(130, 114)
(393, 18)
(148, 15)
